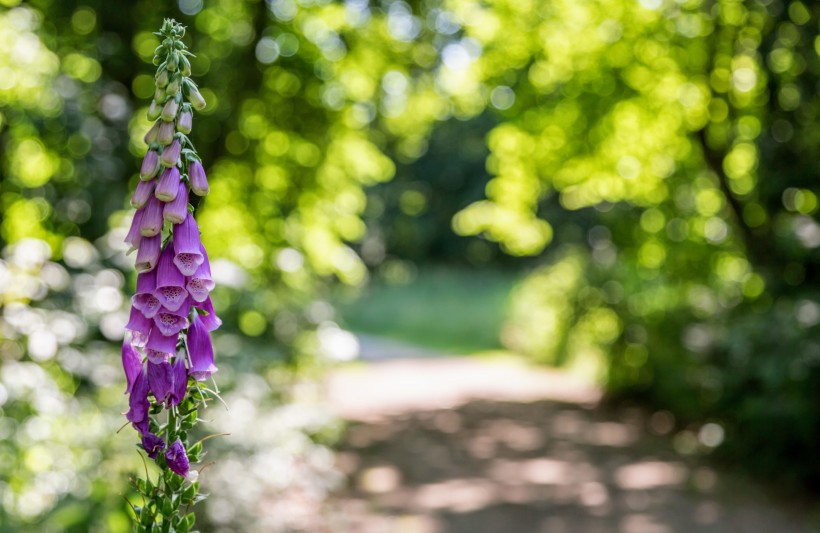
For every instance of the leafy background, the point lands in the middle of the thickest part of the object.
(623, 188)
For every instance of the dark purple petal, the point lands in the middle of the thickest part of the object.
(168, 185)
(150, 165)
(131, 363)
(196, 175)
(177, 459)
(160, 380)
(176, 210)
(209, 320)
(138, 402)
(148, 253)
(134, 236)
(170, 155)
(201, 351)
(152, 445)
(180, 381)
(139, 326)
(142, 193)
(170, 289)
(162, 343)
(152, 218)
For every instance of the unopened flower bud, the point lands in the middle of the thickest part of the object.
(197, 100)
(166, 133)
(142, 193)
(159, 94)
(170, 155)
(172, 89)
(151, 218)
(176, 210)
(150, 165)
(194, 96)
(185, 120)
(185, 66)
(154, 110)
(169, 112)
(173, 62)
(162, 78)
(199, 182)
(168, 185)
(173, 84)
(151, 137)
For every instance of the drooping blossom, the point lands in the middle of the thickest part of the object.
(152, 444)
(177, 459)
(144, 298)
(138, 402)
(201, 350)
(160, 380)
(158, 342)
(170, 322)
(200, 284)
(187, 246)
(139, 326)
(180, 381)
(170, 290)
(148, 253)
(209, 318)
(131, 364)
(133, 238)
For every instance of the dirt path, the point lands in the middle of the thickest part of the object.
(465, 445)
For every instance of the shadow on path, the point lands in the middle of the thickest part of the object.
(474, 446)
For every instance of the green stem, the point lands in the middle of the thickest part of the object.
(171, 430)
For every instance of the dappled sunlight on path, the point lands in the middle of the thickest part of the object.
(468, 445)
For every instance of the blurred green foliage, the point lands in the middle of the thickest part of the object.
(453, 310)
(666, 149)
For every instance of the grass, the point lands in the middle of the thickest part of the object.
(455, 310)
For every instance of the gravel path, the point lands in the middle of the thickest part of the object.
(471, 445)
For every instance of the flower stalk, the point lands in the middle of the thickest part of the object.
(167, 351)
